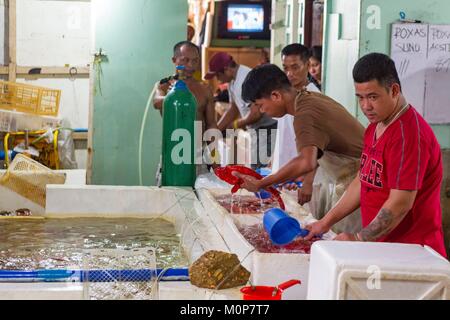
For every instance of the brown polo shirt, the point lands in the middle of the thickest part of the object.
(322, 122)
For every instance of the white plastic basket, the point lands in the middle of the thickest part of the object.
(29, 178)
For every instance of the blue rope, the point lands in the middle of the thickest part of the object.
(172, 274)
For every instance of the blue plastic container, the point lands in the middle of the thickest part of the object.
(263, 194)
(282, 228)
(264, 171)
(11, 155)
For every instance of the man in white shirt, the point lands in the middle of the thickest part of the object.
(227, 70)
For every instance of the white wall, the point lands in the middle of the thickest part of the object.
(57, 34)
(53, 33)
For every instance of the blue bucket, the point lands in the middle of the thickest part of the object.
(282, 228)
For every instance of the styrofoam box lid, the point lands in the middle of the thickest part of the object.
(394, 256)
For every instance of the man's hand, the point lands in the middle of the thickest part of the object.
(316, 229)
(345, 237)
(215, 166)
(304, 193)
(163, 88)
(292, 186)
(160, 94)
(250, 183)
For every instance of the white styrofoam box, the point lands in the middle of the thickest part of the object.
(268, 269)
(74, 176)
(41, 291)
(348, 270)
(17, 121)
(174, 290)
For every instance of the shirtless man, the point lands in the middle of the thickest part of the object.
(187, 54)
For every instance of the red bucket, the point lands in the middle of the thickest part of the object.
(267, 293)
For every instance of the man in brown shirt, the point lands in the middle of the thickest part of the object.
(322, 122)
(326, 133)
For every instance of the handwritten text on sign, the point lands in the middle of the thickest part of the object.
(422, 57)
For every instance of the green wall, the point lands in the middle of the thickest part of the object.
(340, 52)
(137, 37)
(429, 11)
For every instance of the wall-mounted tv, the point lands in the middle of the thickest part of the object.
(243, 20)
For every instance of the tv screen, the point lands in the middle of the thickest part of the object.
(245, 17)
(243, 20)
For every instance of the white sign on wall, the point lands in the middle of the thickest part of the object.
(422, 57)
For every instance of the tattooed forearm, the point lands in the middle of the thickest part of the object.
(380, 226)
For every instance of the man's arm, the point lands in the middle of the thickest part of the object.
(305, 192)
(394, 210)
(253, 116)
(304, 163)
(228, 117)
(160, 94)
(210, 112)
(348, 203)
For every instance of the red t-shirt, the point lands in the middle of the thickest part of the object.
(407, 156)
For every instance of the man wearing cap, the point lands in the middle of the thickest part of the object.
(225, 69)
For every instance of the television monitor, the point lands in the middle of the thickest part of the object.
(243, 20)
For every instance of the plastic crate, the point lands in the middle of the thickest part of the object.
(349, 270)
(29, 99)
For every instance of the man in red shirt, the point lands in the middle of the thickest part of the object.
(398, 186)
